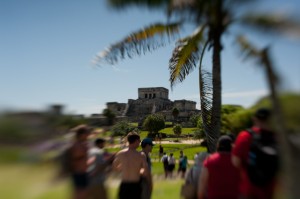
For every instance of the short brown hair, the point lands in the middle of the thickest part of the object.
(81, 129)
(132, 137)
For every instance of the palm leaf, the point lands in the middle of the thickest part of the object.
(206, 96)
(247, 49)
(206, 101)
(121, 4)
(185, 56)
(273, 23)
(251, 52)
(138, 42)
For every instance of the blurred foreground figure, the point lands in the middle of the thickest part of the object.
(79, 162)
(147, 185)
(131, 164)
(255, 155)
(192, 177)
(100, 166)
(219, 178)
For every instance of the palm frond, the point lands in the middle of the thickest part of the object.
(206, 98)
(121, 4)
(260, 56)
(190, 10)
(247, 50)
(186, 55)
(273, 23)
(139, 42)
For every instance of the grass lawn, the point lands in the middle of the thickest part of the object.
(162, 189)
(27, 181)
(188, 149)
(35, 181)
(184, 130)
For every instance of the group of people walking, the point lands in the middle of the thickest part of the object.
(225, 173)
(88, 164)
(89, 167)
(220, 175)
(169, 164)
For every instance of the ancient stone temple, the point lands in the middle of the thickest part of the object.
(153, 100)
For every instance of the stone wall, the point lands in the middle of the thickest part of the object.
(117, 108)
(185, 105)
(153, 100)
(152, 93)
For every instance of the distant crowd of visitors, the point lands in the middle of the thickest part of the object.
(224, 174)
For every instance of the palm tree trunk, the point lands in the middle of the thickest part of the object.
(217, 100)
(289, 151)
(217, 82)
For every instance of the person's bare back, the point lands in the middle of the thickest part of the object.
(79, 157)
(131, 164)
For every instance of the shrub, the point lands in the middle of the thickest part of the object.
(122, 128)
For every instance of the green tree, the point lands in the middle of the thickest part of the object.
(153, 123)
(194, 119)
(175, 113)
(227, 112)
(122, 128)
(177, 129)
(110, 116)
(240, 120)
(212, 19)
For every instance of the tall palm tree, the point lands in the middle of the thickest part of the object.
(212, 19)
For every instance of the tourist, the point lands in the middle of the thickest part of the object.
(219, 178)
(192, 177)
(171, 165)
(131, 164)
(184, 165)
(79, 162)
(164, 160)
(161, 152)
(240, 152)
(101, 161)
(180, 159)
(147, 186)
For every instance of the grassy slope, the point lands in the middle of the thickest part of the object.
(24, 181)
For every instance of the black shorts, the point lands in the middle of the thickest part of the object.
(80, 180)
(132, 190)
(171, 167)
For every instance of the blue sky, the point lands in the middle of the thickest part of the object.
(47, 48)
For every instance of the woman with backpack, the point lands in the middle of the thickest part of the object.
(252, 141)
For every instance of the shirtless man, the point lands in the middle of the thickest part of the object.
(132, 164)
(79, 162)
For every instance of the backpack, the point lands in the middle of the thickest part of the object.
(165, 160)
(263, 158)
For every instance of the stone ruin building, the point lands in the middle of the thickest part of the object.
(153, 100)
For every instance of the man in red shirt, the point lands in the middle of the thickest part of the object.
(219, 179)
(240, 156)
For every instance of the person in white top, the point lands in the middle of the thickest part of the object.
(171, 165)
